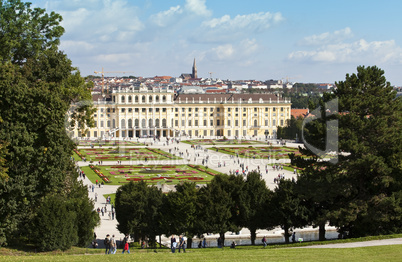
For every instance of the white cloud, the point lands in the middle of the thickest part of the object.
(104, 21)
(197, 7)
(76, 46)
(359, 51)
(164, 18)
(255, 22)
(226, 29)
(239, 52)
(249, 46)
(224, 52)
(327, 37)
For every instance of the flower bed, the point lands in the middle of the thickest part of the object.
(100, 174)
(175, 173)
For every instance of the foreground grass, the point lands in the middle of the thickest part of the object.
(377, 253)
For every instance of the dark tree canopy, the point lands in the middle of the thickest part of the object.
(138, 210)
(37, 86)
(26, 32)
(359, 193)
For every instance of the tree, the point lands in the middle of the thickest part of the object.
(37, 86)
(83, 207)
(26, 32)
(289, 209)
(360, 191)
(138, 210)
(3, 166)
(179, 213)
(292, 130)
(221, 205)
(369, 122)
(48, 231)
(257, 195)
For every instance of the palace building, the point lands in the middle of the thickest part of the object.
(145, 112)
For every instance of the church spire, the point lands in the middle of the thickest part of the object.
(194, 74)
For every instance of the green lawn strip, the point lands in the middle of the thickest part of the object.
(76, 157)
(288, 167)
(152, 174)
(91, 174)
(112, 197)
(135, 154)
(375, 253)
(258, 152)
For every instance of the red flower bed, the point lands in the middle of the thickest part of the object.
(195, 178)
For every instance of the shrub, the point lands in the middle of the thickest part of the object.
(53, 227)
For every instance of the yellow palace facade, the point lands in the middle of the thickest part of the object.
(126, 112)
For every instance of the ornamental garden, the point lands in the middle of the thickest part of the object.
(222, 142)
(258, 152)
(108, 143)
(123, 154)
(151, 174)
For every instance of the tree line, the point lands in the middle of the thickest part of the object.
(351, 177)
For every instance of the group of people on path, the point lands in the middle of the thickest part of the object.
(111, 244)
(180, 245)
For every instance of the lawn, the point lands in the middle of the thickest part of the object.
(223, 142)
(258, 152)
(114, 154)
(376, 253)
(152, 174)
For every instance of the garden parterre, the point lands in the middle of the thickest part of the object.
(222, 142)
(170, 174)
(108, 143)
(258, 152)
(114, 154)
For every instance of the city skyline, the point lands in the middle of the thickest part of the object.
(303, 41)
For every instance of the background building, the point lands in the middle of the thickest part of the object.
(142, 112)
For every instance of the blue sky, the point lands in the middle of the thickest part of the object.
(302, 40)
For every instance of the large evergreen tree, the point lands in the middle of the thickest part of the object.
(360, 191)
(37, 86)
(369, 131)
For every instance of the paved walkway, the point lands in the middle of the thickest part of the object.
(190, 156)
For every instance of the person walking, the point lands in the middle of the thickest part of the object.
(107, 244)
(113, 245)
(264, 241)
(126, 245)
(173, 244)
(182, 244)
